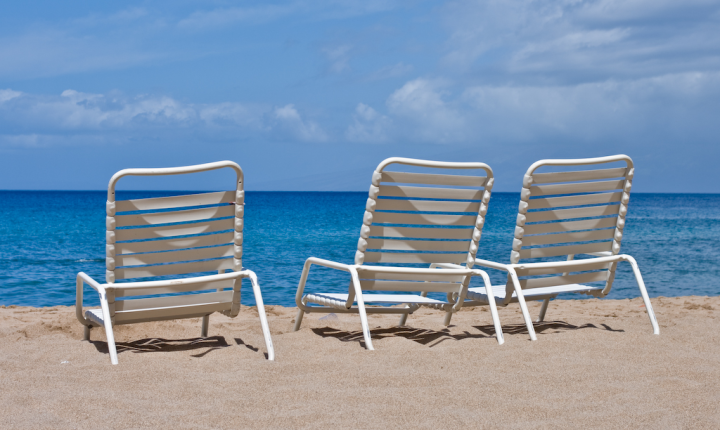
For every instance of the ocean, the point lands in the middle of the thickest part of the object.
(46, 237)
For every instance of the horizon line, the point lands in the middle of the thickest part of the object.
(309, 191)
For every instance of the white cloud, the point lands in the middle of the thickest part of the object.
(427, 116)
(575, 41)
(394, 71)
(28, 119)
(290, 119)
(76, 110)
(8, 94)
(215, 18)
(668, 107)
(619, 111)
(234, 114)
(368, 126)
(642, 10)
(339, 58)
(570, 41)
(21, 140)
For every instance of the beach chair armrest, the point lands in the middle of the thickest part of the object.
(446, 266)
(457, 304)
(306, 270)
(82, 279)
(491, 264)
(598, 254)
(327, 263)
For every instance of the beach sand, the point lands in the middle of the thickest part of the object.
(596, 364)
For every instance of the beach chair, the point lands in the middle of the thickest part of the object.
(438, 218)
(578, 211)
(174, 235)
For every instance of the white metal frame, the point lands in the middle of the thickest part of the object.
(604, 259)
(110, 290)
(343, 303)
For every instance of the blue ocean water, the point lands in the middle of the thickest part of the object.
(46, 237)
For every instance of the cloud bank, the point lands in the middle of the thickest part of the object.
(24, 117)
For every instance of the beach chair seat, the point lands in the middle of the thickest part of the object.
(479, 294)
(568, 232)
(166, 308)
(165, 237)
(340, 301)
(416, 215)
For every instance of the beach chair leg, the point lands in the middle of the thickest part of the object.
(451, 298)
(493, 309)
(543, 309)
(364, 323)
(300, 299)
(108, 329)
(410, 309)
(523, 305)
(448, 316)
(361, 310)
(86, 332)
(643, 292)
(261, 313)
(205, 324)
(298, 319)
(403, 319)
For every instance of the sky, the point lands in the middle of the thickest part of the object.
(313, 95)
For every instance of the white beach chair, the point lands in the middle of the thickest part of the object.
(167, 238)
(566, 213)
(438, 219)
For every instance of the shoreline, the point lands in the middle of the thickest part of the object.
(464, 310)
(595, 364)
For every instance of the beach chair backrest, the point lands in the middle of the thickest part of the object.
(416, 214)
(564, 213)
(175, 235)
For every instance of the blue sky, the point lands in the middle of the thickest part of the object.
(313, 95)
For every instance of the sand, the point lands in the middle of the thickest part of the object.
(596, 364)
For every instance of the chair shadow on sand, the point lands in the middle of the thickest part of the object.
(433, 337)
(205, 344)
